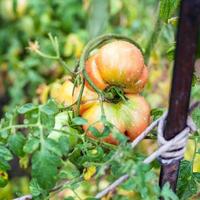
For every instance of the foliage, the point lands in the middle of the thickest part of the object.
(48, 138)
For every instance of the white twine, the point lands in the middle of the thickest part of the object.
(173, 149)
(168, 152)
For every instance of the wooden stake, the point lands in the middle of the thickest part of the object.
(182, 80)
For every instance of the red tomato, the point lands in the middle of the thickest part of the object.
(130, 117)
(118, 63)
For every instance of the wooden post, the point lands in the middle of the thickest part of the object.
(182, 80)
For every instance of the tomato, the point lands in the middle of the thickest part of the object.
(63, 93)
(118, 63)
(131, 117)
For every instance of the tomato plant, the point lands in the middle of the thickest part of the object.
(74, 138)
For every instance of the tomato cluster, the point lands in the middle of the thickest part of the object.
(121, 64)
(116, 64)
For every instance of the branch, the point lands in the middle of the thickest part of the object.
(26, 197)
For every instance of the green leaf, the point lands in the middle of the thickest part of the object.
(190, 190)
(130, 184)
(171, 52)
(79, 121)
(5, 153)
(95, 132)
(69, 198)
(4, 165)
(106, 131)
(4, 134)
(53, 146)
(31, 145)
(186, 186)
(64, 144)
(16, 143)
(119, 136)
(167, 8)
(45, 168)
(35, 189)
(50, 108)
(27, 108)
(47, 120)
(98, 17)
(91, 198)
(196, 176)
(196, 92)
(196, 117)
(167, 193)
(69, 171)
(156, 113)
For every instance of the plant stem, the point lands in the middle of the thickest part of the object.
(80, 97)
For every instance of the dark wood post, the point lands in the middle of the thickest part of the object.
(182, 80)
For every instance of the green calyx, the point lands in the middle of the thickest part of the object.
(114, 94)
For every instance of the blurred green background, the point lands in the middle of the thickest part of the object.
(74, 22)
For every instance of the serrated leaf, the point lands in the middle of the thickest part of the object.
(5, 153)
(35, 188)
(196, 176)
(186, 184)
(50, 108)
(79, 121)
(167, 193)
(130, 184)
(16, 143)
(31, 145)
(167, 8)
(53, 146)
(64, 144)
(4, 165)
(47, 120)
(27, 108)
(45, 168)
(190, 190)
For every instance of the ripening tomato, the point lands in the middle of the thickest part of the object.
(63, 93)
(130, 117)
(118, 63)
